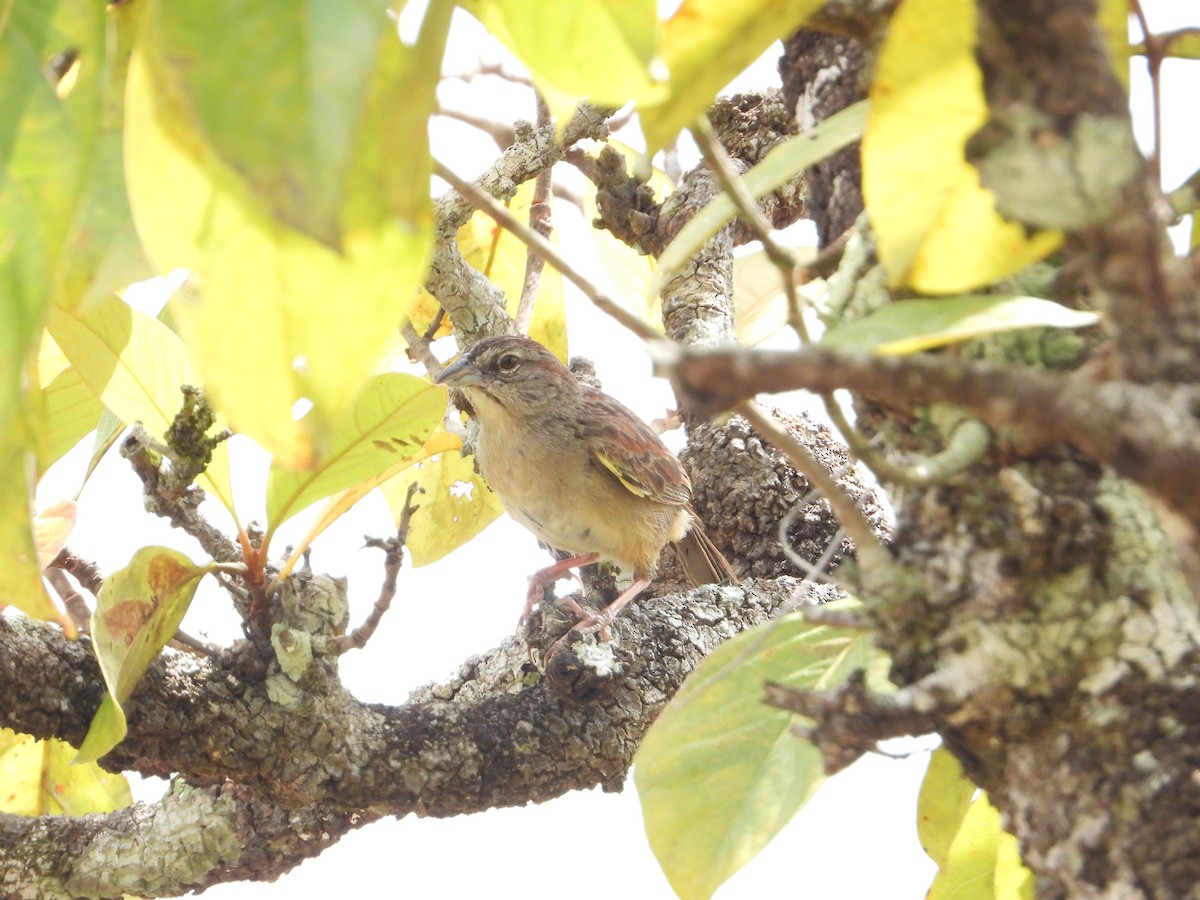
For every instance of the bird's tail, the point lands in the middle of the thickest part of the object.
(702, 561)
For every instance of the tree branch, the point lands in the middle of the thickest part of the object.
(1146, 433)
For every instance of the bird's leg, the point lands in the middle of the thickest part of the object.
(544, 578)
(590, 621)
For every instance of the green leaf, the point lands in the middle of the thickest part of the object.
(135, 365)
(292, 300)
(946, 794)
(453, 505)
(936, 226)
(39, 160)
(138, 610)
(596, 49)
(909, 326)
(719, 773)
(391, 420)
(705, 45)
(783, 163)
(38, 780)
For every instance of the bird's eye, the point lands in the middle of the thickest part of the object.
(508, 362)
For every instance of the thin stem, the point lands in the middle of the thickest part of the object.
(872, 555)
(547, 251)
(1155, 51)
(539, 223)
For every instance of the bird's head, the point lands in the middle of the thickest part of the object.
(513, 373)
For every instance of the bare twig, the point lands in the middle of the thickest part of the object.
(539, 245)
(73, 601)
(394, 549)
(872, 555)
(1155, 51)
(87, 573)
(539, 223)
(500, 132)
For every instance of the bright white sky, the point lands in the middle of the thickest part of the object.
(856, 838)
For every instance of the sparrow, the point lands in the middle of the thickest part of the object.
(581, 471)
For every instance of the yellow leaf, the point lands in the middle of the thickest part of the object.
(389, 422)
(455, 505)
(135, 366)
(1113, 18)
(20, 574)
(937, 228)
(37, 779)
(705, 44)
(440, 441)
(51, 528)
(595, 49)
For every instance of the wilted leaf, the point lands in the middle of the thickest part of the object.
(388, 423)
(454, 505)
(705, 45)
(909, 326)
(936, 227)
(783, 163)
(37, 779)
(137, 612)
(719, 773)
(630, 274)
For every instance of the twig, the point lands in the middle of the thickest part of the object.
(87, 573)
(394, 548)
(73, 601)
(547, 251)
(872, 555)
(418, 350)
(502, 133)
(1155, 51)
(539, 223)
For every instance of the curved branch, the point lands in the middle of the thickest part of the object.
(448, 751)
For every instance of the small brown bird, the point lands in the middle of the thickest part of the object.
(580, 471)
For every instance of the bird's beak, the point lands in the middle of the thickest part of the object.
(460, 373)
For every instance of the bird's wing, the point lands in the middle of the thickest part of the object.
(626, 446)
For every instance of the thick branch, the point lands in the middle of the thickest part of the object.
(448, 751)
(191, 839)
(1146, 433)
